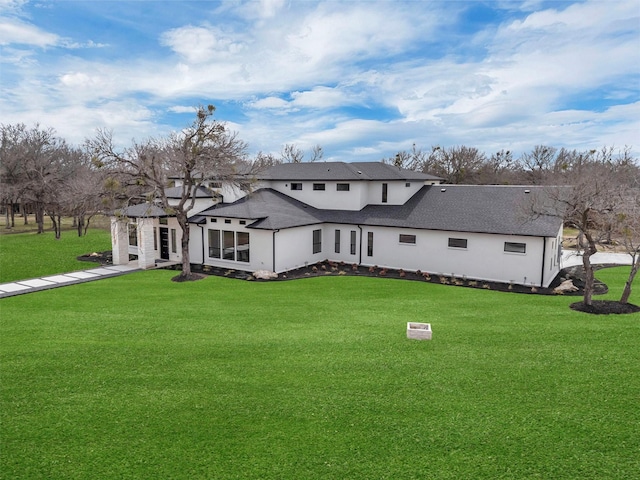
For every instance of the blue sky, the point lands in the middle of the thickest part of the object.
(362, 79)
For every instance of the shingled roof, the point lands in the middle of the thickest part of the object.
(342, 171)
(458, 208)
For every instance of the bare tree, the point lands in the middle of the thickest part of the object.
(317, 153)
(538, 164)
(457, 164)
(291, 154)
(202, 152)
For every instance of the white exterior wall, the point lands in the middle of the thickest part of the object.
(397, 192)
(329, 248)
(119, 241)
(483, 259)
(294, 247)
(360, 194)
(552, 258)
(330, 198)
(146, 252)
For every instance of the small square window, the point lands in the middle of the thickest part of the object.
(226, 220)
(318, 186)
(296, 186)
(243, 222)
(408, 184)
(342, 187)
(213, 220)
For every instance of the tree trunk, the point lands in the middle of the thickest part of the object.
(626, 293)
(589, 278)
(186, 262)
(80, 224)
(39, 208)
(57, 225)
(8, 222)
(25, 212)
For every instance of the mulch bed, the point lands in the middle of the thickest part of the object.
(327, 268)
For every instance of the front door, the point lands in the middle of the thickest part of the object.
(164, 243)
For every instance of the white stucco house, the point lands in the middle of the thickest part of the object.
(365, 213)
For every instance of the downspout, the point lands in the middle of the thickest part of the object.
(544, 255)
(273, 245)
(360, 253)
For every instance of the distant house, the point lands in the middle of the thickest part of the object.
(358, 213)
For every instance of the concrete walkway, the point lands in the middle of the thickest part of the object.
(20, 287)
(570, 258)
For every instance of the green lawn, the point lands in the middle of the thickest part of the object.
(139, 377)
(29, 255)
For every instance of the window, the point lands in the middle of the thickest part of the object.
(411, 239)
(213, 220)
(353, 242)
(133, 234)
(370, 244)
(385, 191)
(228, 245)
(226, 220)
(163, 221)
(408, 184)
(214, 243)
(317, 241)
(342, 187)
(155, 238)
(458, 243)
(174, 246)
(318, 186)
(243, 246)
(337, 241)
(215, 184)
(513, 247)
(242, 222)
(296, 186)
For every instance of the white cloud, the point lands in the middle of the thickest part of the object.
(13, 31)
(201, 44)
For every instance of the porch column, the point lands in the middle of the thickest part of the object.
(119, 241)
(146, 253)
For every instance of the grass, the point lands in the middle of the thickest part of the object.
(29, 255)
(140, 377)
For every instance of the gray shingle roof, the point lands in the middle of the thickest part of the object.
(271, 210)
(144, 210)
(201, 192)
(337, 171)
(459, 208)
